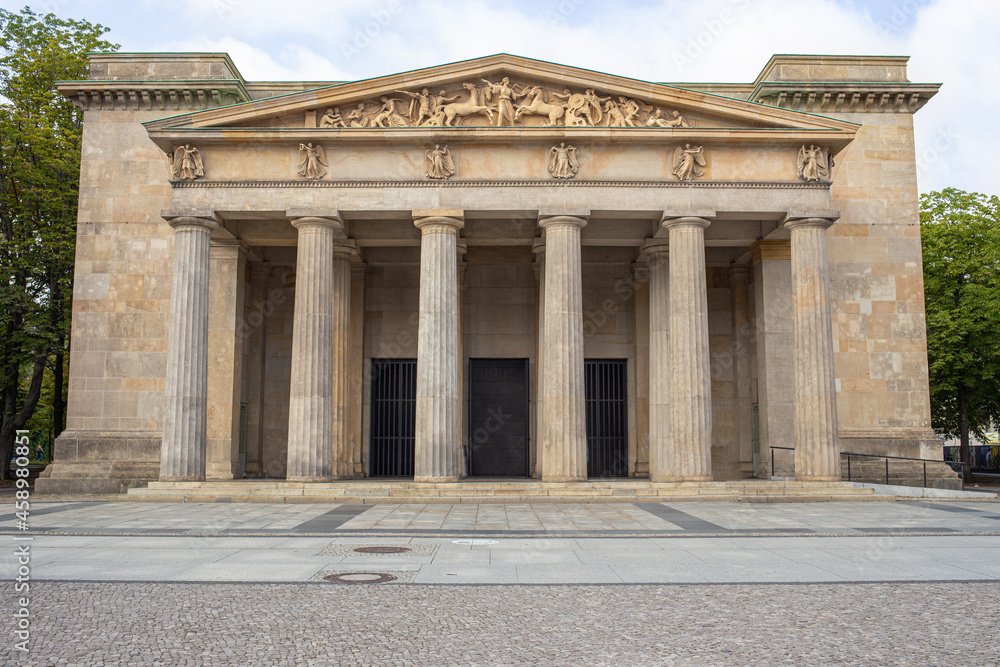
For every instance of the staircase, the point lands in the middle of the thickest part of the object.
(494, 491)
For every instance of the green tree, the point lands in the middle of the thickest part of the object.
(961, 248)
(40, 137)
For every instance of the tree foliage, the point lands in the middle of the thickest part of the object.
(40, 138)
(961, 251)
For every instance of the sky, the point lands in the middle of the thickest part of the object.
(954, 42)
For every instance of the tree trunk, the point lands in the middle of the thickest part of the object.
(14, 423)
(963, 433)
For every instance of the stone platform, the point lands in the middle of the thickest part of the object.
(496, 491)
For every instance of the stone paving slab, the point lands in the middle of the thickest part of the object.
(168, 625)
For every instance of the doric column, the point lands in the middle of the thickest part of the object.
(742, 458)
(185, 411)
(817, 450)
(463, 428)
(437, 456)
(226, 294)
(310, 414)
(690, 374)
(662, 466)
(539, 249)
(564, 440)
(255, 337)
(343, 252)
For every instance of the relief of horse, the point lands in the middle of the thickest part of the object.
(464, 109)
(539, 107)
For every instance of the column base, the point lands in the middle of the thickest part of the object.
(681, 478)
(307, 479)
(182, 478)
(434, 480)
(564, 478)
(818, 478)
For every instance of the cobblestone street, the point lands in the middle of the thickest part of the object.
(322, 624)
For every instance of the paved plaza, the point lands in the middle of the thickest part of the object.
(647, 583)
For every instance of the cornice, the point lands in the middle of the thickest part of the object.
(168, 95)
(845, 96)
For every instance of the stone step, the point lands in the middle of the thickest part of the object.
(502, 492)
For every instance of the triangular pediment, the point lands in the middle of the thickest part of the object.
(506, 93)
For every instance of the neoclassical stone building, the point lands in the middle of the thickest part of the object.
(494, 268)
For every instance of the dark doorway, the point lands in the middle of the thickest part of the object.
(393, 417)
(498, 417)
(607, 417)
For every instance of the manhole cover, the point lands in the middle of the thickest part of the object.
(382, 550)
(359, 578)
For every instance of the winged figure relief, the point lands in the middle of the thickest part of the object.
(186, 163)
(312, 161)
(687, 161)
(813, 164)
(563, 161)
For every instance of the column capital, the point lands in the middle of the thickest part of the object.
(344, 249)
(655, 250)
(197, 223)
(538, 248)
(333, 221)
(799, 223)
(694, 219)
(810, 218)
(561, 221)
(438, 224)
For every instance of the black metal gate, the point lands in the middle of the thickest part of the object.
(607, 417)
(498, 417)
(393, 417)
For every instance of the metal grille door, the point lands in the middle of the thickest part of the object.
(498, 417)
(607, 423)
(393, 417)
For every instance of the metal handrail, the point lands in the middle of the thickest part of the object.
(871, 456)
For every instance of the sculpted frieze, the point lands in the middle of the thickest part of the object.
(186, 163)
(814, 164)
(503, 103)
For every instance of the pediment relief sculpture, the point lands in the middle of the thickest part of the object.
(312, 161)
(687, 162)
(439, 163)
(503, 104)
(814, 164)
(563, 161)
(186, 163)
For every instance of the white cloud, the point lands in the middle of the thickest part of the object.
(660, 40)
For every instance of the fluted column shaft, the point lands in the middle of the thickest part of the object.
(690, 374)
(564, 439)
(310, 414)
(185, 413)
(817, 449)
(341, 350)
(539, 250)
(661, 465)
(437, 456)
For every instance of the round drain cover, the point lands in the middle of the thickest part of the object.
(359, 578)
(382, 550)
